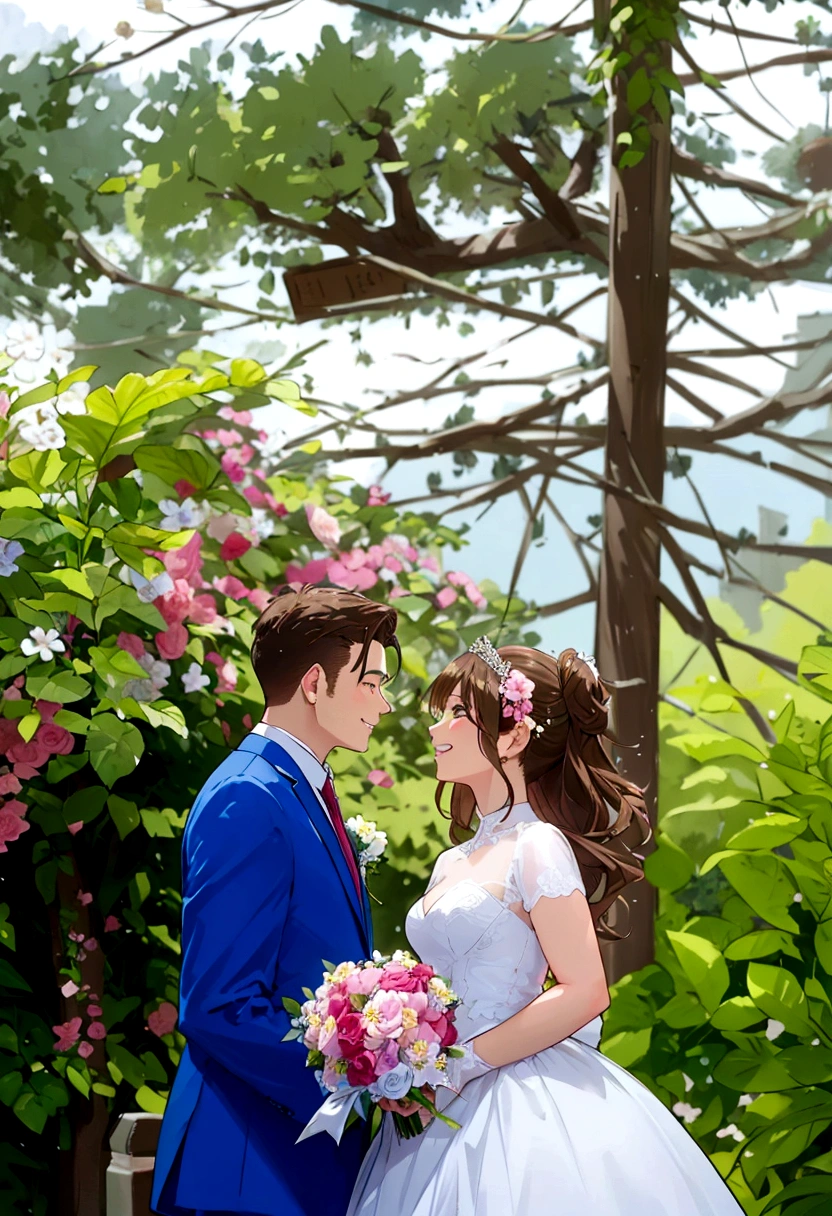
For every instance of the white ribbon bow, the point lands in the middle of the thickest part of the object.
(333, 1114)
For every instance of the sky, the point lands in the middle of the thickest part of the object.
(551, 571)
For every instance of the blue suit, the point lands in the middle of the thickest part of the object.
(267, 895)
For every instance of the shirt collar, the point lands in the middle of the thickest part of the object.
(306, 760)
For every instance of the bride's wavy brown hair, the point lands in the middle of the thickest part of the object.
(571, 779)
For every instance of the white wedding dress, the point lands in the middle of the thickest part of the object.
(566, 1131)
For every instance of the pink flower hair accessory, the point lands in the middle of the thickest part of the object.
(516, 689)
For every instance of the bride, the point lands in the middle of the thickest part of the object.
(547, 1123)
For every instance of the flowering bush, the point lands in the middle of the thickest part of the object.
(143, 530)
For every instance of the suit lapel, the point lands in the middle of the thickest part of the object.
(283, 763)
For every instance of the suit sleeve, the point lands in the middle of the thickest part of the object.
(236, 889)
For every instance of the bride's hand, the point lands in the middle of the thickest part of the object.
(400, 1106)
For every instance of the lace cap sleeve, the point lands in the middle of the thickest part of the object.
(544, 865)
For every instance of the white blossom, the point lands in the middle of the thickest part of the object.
(157, 670)
(686, 1112)
(180, 515)
(195, 679)
(73, 399)
(149, 589)
(10, 550)
(45, 643)
(774, 1029)
(24, 341)
(731, 1130)
(262, 523)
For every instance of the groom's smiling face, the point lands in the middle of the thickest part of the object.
(350, 709)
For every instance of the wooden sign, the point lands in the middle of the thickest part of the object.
(341, 285)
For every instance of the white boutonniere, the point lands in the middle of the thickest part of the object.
(370, 843)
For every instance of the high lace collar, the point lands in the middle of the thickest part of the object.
(498, 822)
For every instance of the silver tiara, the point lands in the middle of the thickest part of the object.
(484, 650)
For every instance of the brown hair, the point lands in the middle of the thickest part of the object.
(315, 625)
(569, 773)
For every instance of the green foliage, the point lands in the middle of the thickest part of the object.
(732, 1025)
(109, 733)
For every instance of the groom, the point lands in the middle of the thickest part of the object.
(270, 888)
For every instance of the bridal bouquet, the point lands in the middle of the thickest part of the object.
(383, 1028)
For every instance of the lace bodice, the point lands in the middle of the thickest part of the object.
(472, 924)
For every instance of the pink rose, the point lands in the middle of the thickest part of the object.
(350, 1035)
(132, 643)
(234, 546)
(328, 1041)
(324, 527)
(32, 753)
(379, 777)
(363, 980)
(423, 973)
(387, 1020)
(172, 642)
(85, 1050)
(57, 740)
(338, 1006)
(174, 606)
(111, 924)
(26, 771)
(163, 1020)
(68, 1034)
(97, 1030)
(426, 1032)
(446, 597)
(9, 784)
(186, 562)
(361, 1069)
(397, 978)
(47, 709)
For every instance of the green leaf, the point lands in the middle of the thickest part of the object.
(814, 670)
(760, 943)
(779, 995)
(414, 664)
(59, 686)
(150, 1101)
(85, 805)
(736, 1014)
(291, 1006)
(823, 945)
(124, 814)
(77, 1080)
(6, 928)
(19, 496)
(115, 747)
(10, 1086)
(162, 934)
(769, 832)
(74, 580)
(9, 978)
(30, 1112)
(628, 1047)
(163, 713)
(762, 881)
(703, 965)
(753, 1068)
(245, 373)
(175, 463)
(638, 90)
(27, 725)
(156, 824)
(668, 867)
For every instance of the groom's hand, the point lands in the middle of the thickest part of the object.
(400, 1106)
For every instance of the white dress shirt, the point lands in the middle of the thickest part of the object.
(306, 760)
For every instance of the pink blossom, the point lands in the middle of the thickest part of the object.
(56, 740)
(5, 404)
(350, 574)
(377, 497)
(232, 587)
(396, 593)
(47, 709)
(84, 899)
(324, 527)
(9, 734)
(26, 771)
(33, 752)
(232, 468)
(240, 417)
(388, 1009)
(393, 563)
(226, 730)
(75, 828)
(132, 643)
(93, 1010)
(9, 784)
(229, 438)
(91, 944)
(111, 924)
(378, 776)
(256, 497)
(97, 1030)
(397, 978)
(203, 609)
(163, 1020)
(76, 937)
(363, 980)
(234, 546)
(68, 1034)
(260, 598)
(186, 562)
(69, 989)
(278, 507)
(12, 694)
(517, 691)
(172, 642)
(313, 572)
(175, 605)
(387, 1058)
(184, 488)
(85, 1050)
(430, 563)
(446, 597)
(425, 1031)
(247, 722)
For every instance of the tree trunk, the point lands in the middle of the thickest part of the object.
(627, 631)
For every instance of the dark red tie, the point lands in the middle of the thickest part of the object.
(331, 800)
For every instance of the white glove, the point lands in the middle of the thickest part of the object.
(459, 1071)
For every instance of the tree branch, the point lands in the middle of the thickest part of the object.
(555, 209)
(819, 55)
(686, 165)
